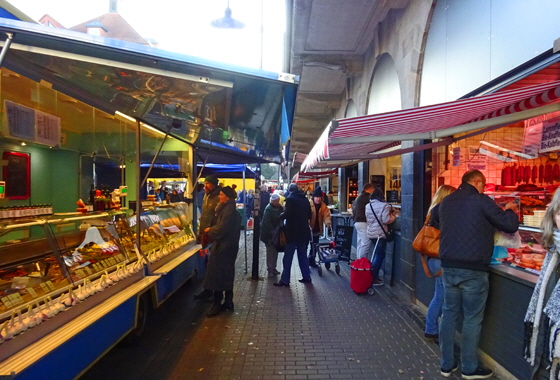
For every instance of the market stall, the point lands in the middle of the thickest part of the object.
(82, 116)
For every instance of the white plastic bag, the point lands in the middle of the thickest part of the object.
(503, 239)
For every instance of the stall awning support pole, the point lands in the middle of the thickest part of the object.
(245, 216)
(256, 225)
(6, 47)
(138, 201)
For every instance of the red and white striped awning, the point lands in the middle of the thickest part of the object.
(361, 137)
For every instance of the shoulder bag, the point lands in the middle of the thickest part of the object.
(389, 234)
(427, 244)
(278, 237)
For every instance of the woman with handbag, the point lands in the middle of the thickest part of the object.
(379, 215)
(431, 332)
(271, 220)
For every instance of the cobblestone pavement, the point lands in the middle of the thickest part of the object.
(308, 331)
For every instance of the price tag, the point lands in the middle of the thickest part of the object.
(88, 270)
(15, 298)
(96, 267)
(104, 263)
(32, 292)
(80, 273)
(45, 287)
(51, 285)
(6, 301)
(121, 257)
(112, 261)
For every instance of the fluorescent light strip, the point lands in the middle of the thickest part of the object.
(143, 125)
(122, 65)
(523, 155)
(494, 155)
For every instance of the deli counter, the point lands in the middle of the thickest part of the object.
(85, 270)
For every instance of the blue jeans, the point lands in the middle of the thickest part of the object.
(464, 290)
(434, 310)
(302, 260)
(378, 256)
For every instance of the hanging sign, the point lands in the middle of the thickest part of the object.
(28, 124)
(550, 140)
(456, 161)
(477, 160)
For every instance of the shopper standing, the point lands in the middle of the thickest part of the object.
(297, 214)
(224, 234)
(434, 265)
(467, 220)
(207, 217)
(271, 220)
(378, 215)
(320, 215)
(363, 243)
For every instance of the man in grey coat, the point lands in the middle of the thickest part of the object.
(207, 217)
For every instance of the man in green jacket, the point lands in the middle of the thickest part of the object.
(271, 220)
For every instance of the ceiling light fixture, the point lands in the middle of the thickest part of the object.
(227, 22)
(523, 155)
(23, 144)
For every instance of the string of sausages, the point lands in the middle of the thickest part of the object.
(542, 174)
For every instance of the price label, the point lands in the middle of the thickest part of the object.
(88, 270)
(51, 285)
(104, 263)
(96, 267)
(80, 273)
(45, 287)
(6, 301)
(112, 261)
(15, 298)
(121, 257)
(32, 292)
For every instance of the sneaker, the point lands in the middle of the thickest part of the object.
(377, 283)
(305, 280)
(479, 373)
(281, 284)
(431, 337)
(448, 372)
(276, 273)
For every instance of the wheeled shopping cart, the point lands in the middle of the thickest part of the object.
(326, 253)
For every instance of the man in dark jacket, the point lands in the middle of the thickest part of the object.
(297, 214)
(207, 217)
(360, 223)
(468, 220)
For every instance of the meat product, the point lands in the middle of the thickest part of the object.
(541, 173)
(507, 176)
(527, 175)
(548, 173)
(555, 172)
(503, 173)
(534, 173)
(520, 174)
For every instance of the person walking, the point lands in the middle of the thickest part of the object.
(207, 217)
(363, 243)
(431, 331)
(297, 214)
(378, 215)
(224, 234)
(467, 219)
(271, 220)
(320, 215)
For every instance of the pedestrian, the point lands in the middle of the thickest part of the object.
(282, 196)
(200, 197)
(467, 219)
(264, 198)
(271, 220)
(207, 217)
(297, 214)
(320, 215)
(330, 195)
(224, 234)
(431, 331)
(378, 215)
(175, 197)
(249, 203)
(542, 320)
(363, 243)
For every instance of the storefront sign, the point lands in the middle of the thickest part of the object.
(477, 160)
(456, 157)
(550, 135)
(31, 125)
(532, 139)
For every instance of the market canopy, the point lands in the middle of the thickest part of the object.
(243, 112)
(226, 171)
(367, 137)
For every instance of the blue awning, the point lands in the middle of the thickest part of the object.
(242, 112)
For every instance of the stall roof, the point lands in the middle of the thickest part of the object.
(226, 171)
(245, 112)
(363, 137)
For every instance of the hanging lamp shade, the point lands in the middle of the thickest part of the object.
(227, 22)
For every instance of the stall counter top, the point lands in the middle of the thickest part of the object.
(518, 275)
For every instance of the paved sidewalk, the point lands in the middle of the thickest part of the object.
(308, 331)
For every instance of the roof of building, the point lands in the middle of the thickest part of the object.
(115, 26)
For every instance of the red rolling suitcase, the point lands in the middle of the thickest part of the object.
(360, 276)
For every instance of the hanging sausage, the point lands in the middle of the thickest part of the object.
(534, 174)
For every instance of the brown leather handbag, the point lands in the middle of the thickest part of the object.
(427, 243)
